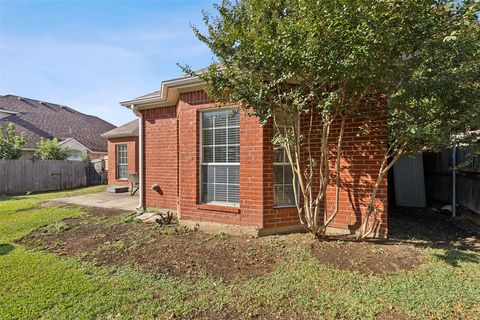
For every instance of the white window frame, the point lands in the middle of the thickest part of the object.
(283, 164)
(201, 163)
(118, 164)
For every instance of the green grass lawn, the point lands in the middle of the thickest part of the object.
(35, 284)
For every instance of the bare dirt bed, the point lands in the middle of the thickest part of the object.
(366, 257)
(113, 238)
(435, 228)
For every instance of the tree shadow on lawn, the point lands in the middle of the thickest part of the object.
(458, 239)
(5, 248)
(426, 228)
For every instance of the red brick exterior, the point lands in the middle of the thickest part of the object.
(132, 159)
(161, 157)
(171, 158)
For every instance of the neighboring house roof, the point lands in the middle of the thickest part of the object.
(168, 93)
(129, 129)
(73, 141)
(38, 119)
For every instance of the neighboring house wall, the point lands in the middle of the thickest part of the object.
(27, 154)
(165, 164)
(77, 151)
(132, 159)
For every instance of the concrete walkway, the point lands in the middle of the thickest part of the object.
(122, 201)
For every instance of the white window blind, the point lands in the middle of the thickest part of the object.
(283, 179)
(220, 157)
(122, 165)
(283, 174)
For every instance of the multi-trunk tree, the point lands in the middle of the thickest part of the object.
(326, 61)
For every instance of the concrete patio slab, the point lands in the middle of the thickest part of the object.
(122, 201)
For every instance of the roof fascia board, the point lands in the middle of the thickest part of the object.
(119, 135)
(170, 90)
(9, 112)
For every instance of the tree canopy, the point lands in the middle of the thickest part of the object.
(48, 149)
(288, 59)
(11, 143)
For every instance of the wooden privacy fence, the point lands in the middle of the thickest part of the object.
(21, 176)
(438, 177)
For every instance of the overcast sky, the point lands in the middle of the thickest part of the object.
(90, 55)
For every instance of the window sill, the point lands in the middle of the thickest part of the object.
(122, 179)
(284, 207)
(216, 207)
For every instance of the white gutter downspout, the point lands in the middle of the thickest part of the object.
(140, 207)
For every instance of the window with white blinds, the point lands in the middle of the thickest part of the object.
(122, 165)
(220, 157)
(283, 179)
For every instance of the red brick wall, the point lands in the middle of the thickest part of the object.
(251, 182)
(360, 161)
(361, 156)
(160, 154)
(132, 159)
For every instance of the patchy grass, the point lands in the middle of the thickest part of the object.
(14, 204)
(51, 282)
(38, 285)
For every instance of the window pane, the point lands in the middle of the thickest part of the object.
(233, 193)
(283, 184)
(207, 154)
(207, 119)
(234, 118)
(234, 174)
(220, 145)
(208, 174)
(233, 136)
(288, 195)
(278, 155)
(221, 119)
(234, 154)
(220, 155)
(288, 174)
(207, 137)
(220, 136)
(221, 174)
(207, 192)
(122, 168)
(221, 192)
(278, 195)
(278, 174)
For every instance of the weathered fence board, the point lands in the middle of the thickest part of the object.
(23, 175)
(438, 177)
(96, 170)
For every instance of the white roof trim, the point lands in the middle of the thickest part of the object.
(168, 96)
(9, 112)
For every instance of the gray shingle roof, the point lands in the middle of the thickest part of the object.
(129, 129)
(49, 120)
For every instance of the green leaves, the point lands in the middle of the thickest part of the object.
(50, 150)
(11, 143)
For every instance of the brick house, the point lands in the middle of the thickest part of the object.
(217, 167)
(122, 153)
